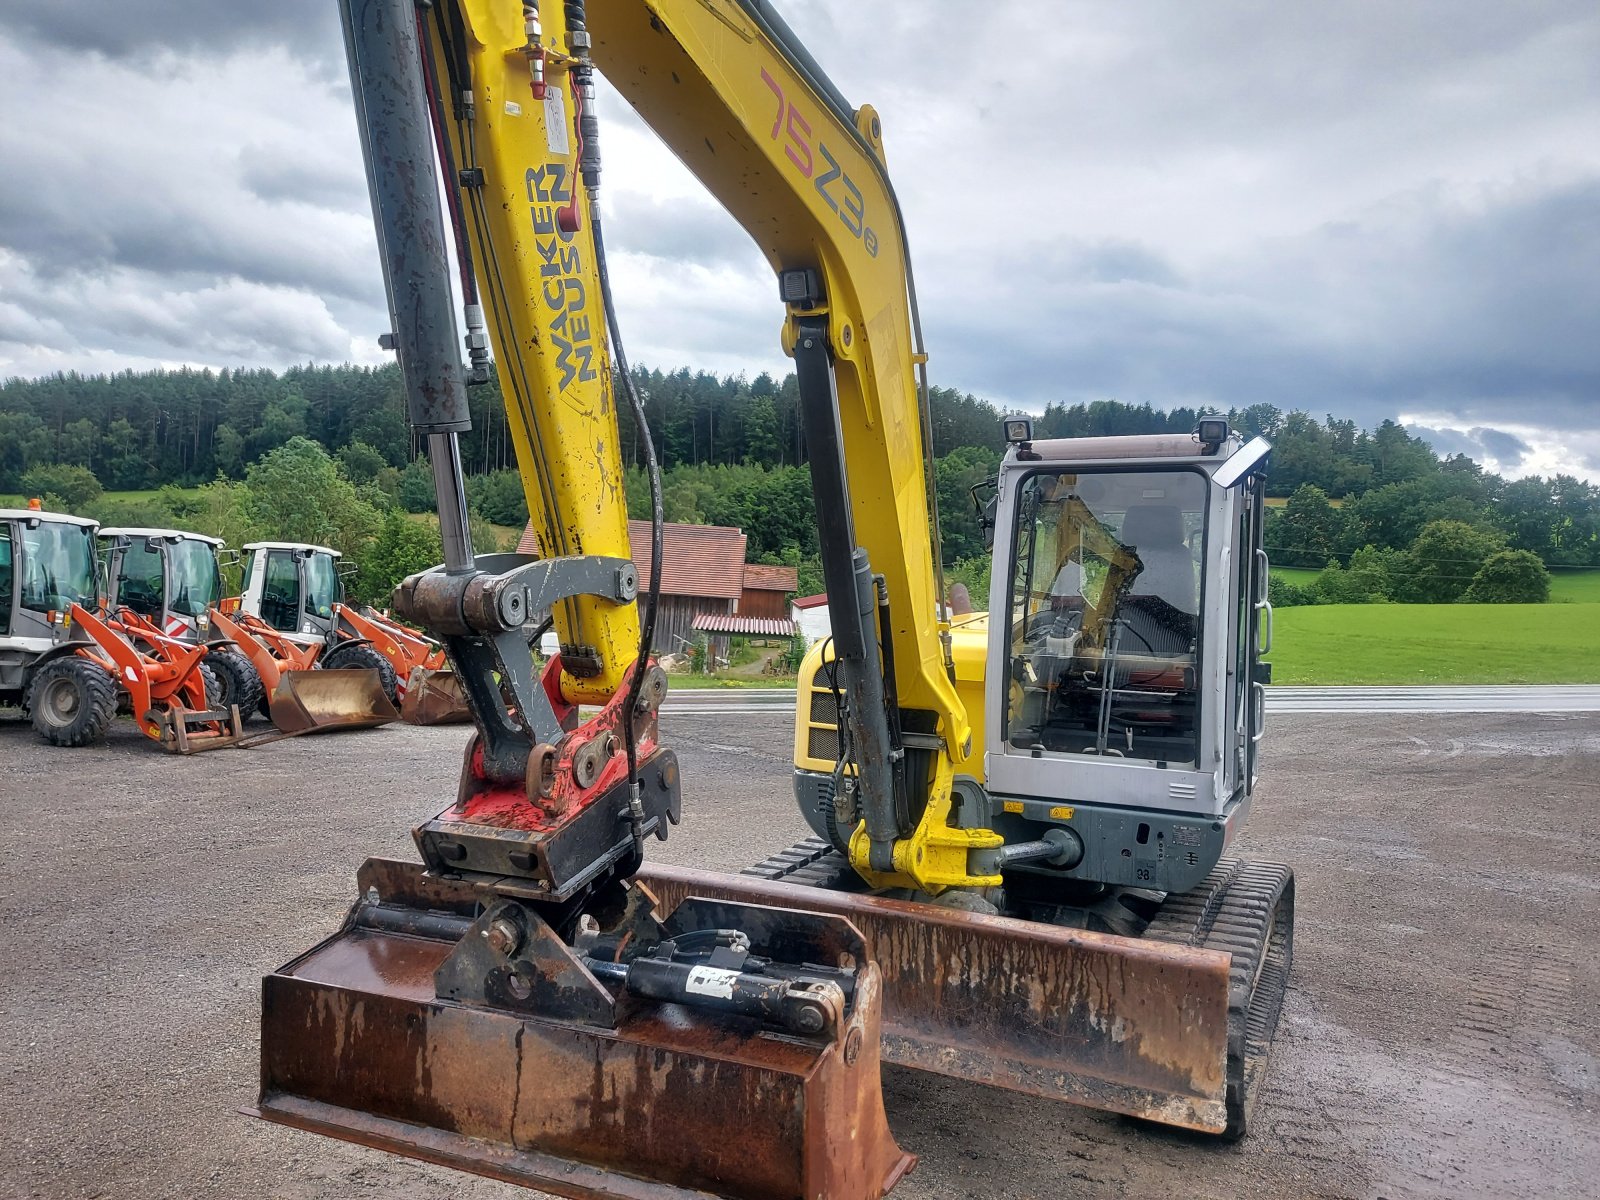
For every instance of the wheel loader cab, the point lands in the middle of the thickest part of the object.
(47, 564)
(1123, 697)
(292, 587)
(169, 576)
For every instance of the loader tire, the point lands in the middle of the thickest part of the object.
(238, 682)
(71, 701)
(360, 658)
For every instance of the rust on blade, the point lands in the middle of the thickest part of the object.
(1115, 1023)
(667, 1103)
(318, 700)
(434, 698)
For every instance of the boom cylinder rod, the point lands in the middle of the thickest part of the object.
(450, 492)
(397, 146)
(852, 598)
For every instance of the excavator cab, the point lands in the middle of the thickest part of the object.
(1127, 605)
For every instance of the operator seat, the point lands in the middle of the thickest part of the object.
(1163, 602)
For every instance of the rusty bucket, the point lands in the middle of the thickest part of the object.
(562, 1086)
(318, 700)
(1130, 1025)
(434, 698)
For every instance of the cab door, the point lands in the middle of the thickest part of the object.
(282, 591)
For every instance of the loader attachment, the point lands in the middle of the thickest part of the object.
(320, 700)
(434, 697)
(1163, 1030)
(449, 1021)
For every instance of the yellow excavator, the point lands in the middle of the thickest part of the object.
(1019, 871)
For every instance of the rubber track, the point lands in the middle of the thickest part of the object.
(1243, 908)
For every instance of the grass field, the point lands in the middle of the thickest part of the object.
(1437, 643)
(1575, 587)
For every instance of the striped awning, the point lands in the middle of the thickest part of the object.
(733, 623)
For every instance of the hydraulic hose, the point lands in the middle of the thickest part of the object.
(589, 165)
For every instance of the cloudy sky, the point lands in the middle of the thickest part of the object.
(1365, 208)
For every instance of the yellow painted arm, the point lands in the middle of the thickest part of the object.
(807, 181)
(515, 154)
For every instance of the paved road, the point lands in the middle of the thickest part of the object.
(1440, 1039)
(1543, 699)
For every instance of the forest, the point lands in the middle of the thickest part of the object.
(199, 445)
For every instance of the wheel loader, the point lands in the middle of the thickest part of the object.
(296, 589)
(68, 665)
(164, 588)
(167, 581)
(1019, 871)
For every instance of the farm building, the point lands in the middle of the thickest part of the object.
(810, 617)
(706, 585)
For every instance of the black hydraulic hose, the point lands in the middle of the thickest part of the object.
(589, 165)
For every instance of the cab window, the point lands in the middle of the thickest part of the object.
(280, 592)
(7, 579)
(138, 582)
(322, 585)
(1105, 629)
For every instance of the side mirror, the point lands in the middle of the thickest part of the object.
(1242, 463)
(986, 508)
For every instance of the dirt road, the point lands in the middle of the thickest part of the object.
(1441, 1038)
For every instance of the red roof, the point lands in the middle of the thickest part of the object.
(696, 560)
(770, 579)
(732, 623)
(816, 601)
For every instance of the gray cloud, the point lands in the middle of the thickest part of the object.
(155, 27)
(1365, 210)
(1505, 447)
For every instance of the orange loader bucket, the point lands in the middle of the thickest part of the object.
(318, 701)
(434, 698)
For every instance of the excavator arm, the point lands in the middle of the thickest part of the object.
(728, 87)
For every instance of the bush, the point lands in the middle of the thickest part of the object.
(402, 547)
(794, 653)
(1444, 559)
(74, 486)
(1510, 577)
(1286, 594)
(415, 487)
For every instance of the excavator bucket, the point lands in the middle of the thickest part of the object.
(319, 700)
(434, 698)
(1165, 1030)
(374, 1036)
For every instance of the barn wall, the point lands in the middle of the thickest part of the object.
(763, 602)
(675, 620)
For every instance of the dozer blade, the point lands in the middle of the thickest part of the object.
(645, 1102)
(434, 698)
(314, 701)
(1172, 1033)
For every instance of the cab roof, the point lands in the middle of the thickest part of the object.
(138, 531)
(291, 546)
(27, 514)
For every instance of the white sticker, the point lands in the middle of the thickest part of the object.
(513, 109)
(711, 981)
(555, 121)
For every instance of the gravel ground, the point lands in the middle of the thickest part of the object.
(1441, 1037)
